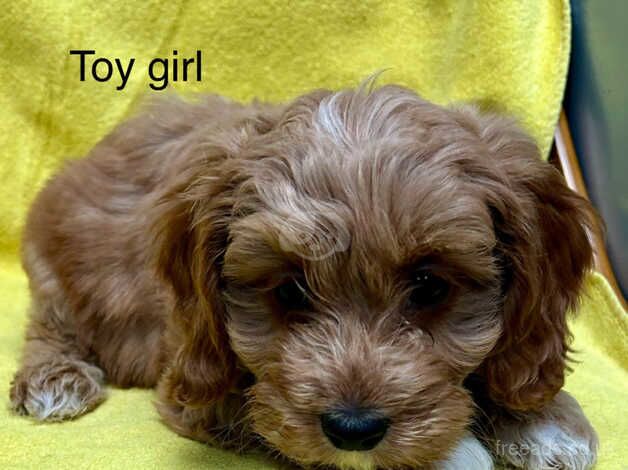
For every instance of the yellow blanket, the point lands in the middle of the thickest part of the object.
(505, 54)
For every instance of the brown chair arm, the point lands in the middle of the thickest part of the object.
(563, 155)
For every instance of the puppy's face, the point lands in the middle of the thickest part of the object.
(360, 258)
(361, 284)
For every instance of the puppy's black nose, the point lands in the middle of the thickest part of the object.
(354, 428)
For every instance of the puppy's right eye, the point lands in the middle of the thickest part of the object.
(429, 290)
(291, 296)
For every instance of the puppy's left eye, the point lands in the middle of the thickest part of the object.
(429, 290)
(291, 296)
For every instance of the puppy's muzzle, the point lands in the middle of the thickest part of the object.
(354, 428)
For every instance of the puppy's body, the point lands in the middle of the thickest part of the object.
(271, 268)
(87, 237)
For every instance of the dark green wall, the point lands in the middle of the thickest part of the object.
(597, 108)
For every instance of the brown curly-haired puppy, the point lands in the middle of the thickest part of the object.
(359, 279)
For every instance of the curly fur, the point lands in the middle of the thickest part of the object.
(154, 261)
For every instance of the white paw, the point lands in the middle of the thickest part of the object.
(547, 446)
(57, 391)
(470, 454)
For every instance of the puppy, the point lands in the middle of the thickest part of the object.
(359, 279)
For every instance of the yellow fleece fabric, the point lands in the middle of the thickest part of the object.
(507, 55)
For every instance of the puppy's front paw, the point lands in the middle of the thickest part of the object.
(58, 390)
(547, 446)
(557, 438)
(469, 454)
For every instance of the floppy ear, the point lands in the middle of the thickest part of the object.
(545, 252)
(191, 228)
(189, 246)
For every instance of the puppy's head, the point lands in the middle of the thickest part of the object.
(359, 254)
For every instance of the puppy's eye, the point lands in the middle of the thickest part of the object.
(291, 296)
(428, 289)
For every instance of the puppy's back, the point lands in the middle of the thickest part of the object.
(85, 245)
